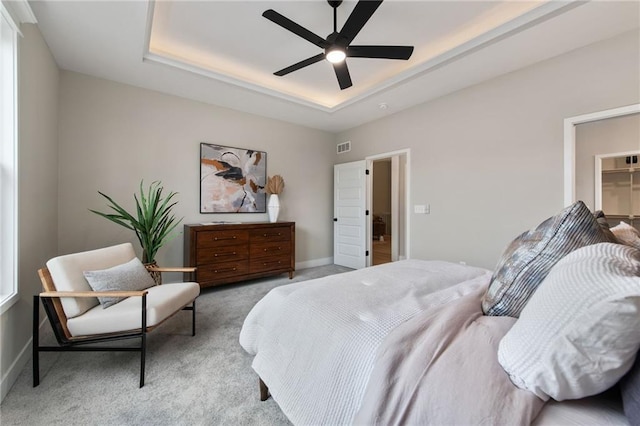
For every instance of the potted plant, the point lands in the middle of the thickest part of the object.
(153, 221)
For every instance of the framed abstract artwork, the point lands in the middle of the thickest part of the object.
(232, 180)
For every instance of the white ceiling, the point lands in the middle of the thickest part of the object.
(225, 52)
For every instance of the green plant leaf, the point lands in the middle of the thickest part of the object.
(153, 222)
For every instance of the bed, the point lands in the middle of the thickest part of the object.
(435, 342)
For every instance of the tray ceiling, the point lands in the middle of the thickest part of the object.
(225, 52)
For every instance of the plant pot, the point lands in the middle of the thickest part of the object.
(156, 275)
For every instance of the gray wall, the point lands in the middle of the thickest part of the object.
(619, 134)
(489, 159)
(38, 193)
(112, 135)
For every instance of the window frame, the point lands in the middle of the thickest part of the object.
(9, 33)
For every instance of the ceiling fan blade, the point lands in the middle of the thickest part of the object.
(298, 30)
(301, 64)
(342, 72)
(382, 52)
(360, 15)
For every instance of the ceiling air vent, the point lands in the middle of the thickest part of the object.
(344, 147)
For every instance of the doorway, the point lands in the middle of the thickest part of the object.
(381, 229)
(354, 227)
(387, 201)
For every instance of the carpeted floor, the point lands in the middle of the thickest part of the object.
(201, 380)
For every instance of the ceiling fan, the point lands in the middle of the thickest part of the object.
(337, 46)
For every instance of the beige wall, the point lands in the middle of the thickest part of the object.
(619, 134)
(489, 159)
(38, 193)
(112, 135)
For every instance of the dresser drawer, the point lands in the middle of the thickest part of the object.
(222, 271)
(275, 248)
(220, 254)
(270, 263)
(232, 252)
(281, 233)
(207, 239)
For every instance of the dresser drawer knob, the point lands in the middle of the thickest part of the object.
(224, 238)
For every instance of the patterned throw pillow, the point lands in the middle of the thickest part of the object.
(578, 335)
(130, 276)
(627, 234)
(528, 259)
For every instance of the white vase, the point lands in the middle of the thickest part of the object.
(273, 207)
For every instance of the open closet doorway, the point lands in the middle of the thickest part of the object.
(386, 202)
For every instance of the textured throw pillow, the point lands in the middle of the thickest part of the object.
(128, 276)
(578, 335)
(627, 234)
(630, 387)
(528, 259)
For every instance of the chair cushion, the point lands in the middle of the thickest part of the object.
(128, 276)
(67, 273)
(162, 302)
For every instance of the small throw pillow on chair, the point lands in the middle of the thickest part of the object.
(130, 276)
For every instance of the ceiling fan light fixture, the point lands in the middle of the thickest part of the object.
(335, 56)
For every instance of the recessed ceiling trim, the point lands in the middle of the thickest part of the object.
(528, 19)
(183, 65)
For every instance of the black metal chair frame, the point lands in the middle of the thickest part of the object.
(75, 344)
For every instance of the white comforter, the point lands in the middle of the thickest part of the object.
(317, 361)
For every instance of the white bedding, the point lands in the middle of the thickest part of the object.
(316, 342)
(321, 378)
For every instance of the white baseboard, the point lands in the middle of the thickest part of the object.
(16, 367)
(314, 262)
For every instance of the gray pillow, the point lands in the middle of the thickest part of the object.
(528, 259)
(630, 387)
(627, 234)
(130, 276)
(604, 225)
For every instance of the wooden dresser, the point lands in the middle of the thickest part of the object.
(227, 253)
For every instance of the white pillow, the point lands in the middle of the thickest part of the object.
(627, 234)
(578, 334)
(128, 276)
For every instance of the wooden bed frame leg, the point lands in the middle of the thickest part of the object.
(264, 390)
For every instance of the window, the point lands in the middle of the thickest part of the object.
(8, 160)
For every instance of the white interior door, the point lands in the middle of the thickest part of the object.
(349, 206)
